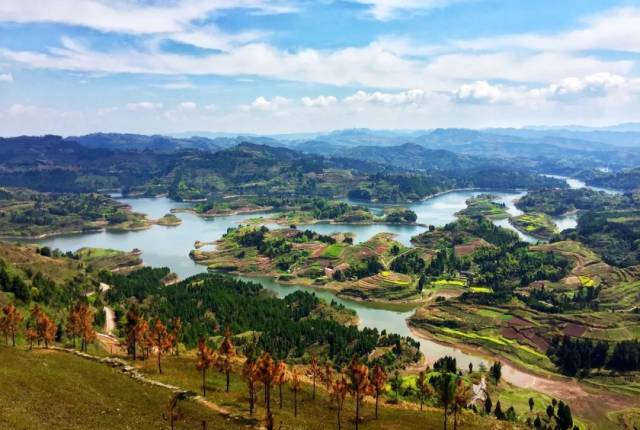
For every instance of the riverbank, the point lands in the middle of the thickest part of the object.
(587, 401)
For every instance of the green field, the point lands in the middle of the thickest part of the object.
(333, 250)
(535, 224)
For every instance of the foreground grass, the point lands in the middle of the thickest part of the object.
(52, 390)
(312, 414)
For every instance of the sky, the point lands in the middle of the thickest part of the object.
(73, 67)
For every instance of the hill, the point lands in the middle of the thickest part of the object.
(47, 389)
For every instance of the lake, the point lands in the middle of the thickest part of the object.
(170, 247)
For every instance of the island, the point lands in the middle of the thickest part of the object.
(371, 271)
(538, 225)
(169, 220)
(27, 213)
(484, 205)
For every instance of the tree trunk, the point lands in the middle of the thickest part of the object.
(455, 417)
(13, 338)
(204, 388)
(377, 398)
(268, 388)
(446, 409)
(159, 366)
(314, 387)
(134, 349)
(280, 389)
(251, 400)
(421, 401)
(228, 371)
(295, 403)
(357, 410)
(339, 423)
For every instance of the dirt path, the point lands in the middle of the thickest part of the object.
(136, 375)
(588, 402)
(110, 320)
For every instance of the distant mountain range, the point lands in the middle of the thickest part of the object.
(576, 151)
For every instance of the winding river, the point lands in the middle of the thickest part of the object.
(170, 246)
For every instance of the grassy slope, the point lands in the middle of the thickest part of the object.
(319, 414)
(46, 389)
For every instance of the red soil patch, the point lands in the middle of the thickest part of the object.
(575, 330)
(469, 248)
(517, 321)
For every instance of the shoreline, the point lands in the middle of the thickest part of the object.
(530, 233)
(554, 385)
(388, 305)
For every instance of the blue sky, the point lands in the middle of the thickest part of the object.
(279, 66)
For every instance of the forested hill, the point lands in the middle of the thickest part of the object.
(413, 156)
(51, 163)
(140, 142)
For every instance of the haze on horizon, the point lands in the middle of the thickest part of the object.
(291, 66)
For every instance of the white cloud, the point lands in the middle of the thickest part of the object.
(265, 105)
(411, 97)
(177, 85)
(144, 106)
(187, 106)
(6, 77)
(129, 16)
(615, 30)
(597, 85)
(385, 10)
(320, 101)
(480, 91)
(108, 110)
(18, 109)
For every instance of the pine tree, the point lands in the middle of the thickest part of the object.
(226, 352)
(461, 399)
(496, 372)
(358, 383)
(327, 376)
(396, 384)
(176, 332)
(296, 386)
(161, 340)
(564, 418)
(266, 373)
(250, 372)
(84, 320)
(487, 404)
(48, 330)
(531, 404)
(280, 378)
(444, 386)
(143, 335)
(314, 371)
(423, 386)
(132, 330)
(378, 382)
(73, 326)
(339, 393)
(498, 411)
(205, 361)
(10, 322)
